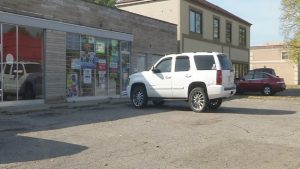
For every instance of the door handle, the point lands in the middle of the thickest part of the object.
(168, 77)
(187, 75)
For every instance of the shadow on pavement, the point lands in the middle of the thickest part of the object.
(21, 149)
(247, 111)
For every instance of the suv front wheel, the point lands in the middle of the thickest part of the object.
(198, 100)
(139, 97)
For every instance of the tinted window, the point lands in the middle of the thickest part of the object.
(182, 64)
(33, 68)
(249, 75)
(205, 62)
(164, 65)
(7, 69)
(259, 75)
(225, 62)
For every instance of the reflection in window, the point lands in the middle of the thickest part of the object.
(195, 22)
(205, 62)
(165, 65)
(182, 64)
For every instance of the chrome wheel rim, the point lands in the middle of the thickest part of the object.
(267, 90)
(138, 98)
(198, 101)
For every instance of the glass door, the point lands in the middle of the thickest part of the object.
(8, 58)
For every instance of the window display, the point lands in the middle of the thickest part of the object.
(94, 66)
(21, 60)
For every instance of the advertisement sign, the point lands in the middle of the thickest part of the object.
(72, 85)
(87, 76)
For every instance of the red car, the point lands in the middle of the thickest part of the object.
(258, 81)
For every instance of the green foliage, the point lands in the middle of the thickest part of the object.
(110, 3)
(290, 22)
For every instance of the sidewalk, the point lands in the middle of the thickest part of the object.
(25, 109)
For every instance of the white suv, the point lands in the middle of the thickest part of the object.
(203, 79)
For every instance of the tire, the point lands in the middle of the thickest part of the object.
(139, 97)
(215, 103)
(267, 90)
(28, 93)
(198, 100)
(158, 102)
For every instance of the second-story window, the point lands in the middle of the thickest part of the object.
(195, 22)
(216, 29)
(284, 55)
(228, 32)
(242, 37)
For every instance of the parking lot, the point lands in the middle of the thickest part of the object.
(245, 133)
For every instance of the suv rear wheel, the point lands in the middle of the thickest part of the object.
(139, 97)
(198, 100)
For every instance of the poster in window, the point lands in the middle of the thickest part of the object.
(87, 76)
(102, 65)
(100, 47)
(72, 85)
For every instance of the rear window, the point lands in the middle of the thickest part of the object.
(205, 62)
(225, 62)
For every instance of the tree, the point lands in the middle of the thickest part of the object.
(290, 22)
(110, 3)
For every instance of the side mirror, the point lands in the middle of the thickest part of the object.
(19, 72)
(154, 70)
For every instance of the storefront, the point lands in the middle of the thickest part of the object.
(96, 62)
(72, 50)
(96, 66)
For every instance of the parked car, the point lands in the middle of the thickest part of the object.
(260, 81)
(24, 77)
(267, 70)
(203, 79)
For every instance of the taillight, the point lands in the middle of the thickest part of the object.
(219, 77)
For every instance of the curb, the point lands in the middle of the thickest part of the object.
(92, 104)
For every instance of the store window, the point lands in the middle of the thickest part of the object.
(21, 60)
(96, 66)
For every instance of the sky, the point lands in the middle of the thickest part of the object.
(264, 15)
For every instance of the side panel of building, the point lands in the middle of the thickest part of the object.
(271, 56)
(55, 65)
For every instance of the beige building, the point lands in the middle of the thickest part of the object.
(276, 57)
(201, 26)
